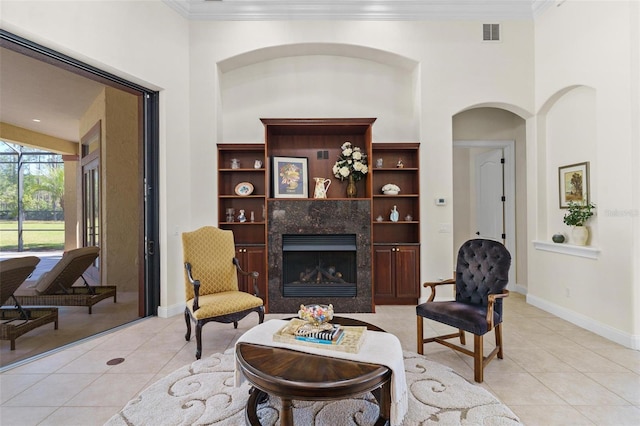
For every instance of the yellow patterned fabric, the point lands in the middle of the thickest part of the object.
(228, 302)
(210, 251)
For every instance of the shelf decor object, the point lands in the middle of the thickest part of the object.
(290, 177)
(244, 188)
(390, 189)
(351, 165)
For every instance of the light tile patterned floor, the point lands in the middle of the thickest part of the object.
(553, 373)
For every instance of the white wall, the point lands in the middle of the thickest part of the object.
(584, 95)
(147, 43)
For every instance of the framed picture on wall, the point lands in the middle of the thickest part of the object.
(290, 177)
(573, 184)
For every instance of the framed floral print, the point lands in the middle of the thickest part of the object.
(290, 177)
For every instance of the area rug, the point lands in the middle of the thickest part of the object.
(203, 393)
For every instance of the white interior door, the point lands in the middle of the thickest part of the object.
(490, 198)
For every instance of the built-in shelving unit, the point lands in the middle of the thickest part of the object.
(250, 235)
(395, 246)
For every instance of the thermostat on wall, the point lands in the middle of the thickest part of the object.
(441, 202)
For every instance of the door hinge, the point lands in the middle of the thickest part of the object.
(503, 198)
(504, 236)
(502, 160)
(151, 248)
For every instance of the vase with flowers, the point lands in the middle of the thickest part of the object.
(352, 166)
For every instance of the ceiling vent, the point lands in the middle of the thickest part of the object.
(491, 32)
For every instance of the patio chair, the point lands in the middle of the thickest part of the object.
(56, 287)
(16, 321)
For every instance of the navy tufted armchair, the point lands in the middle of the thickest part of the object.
(482, 274)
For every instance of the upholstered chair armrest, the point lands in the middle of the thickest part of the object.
(491, 301)
(253, 274)
(196, 286)
(433, 286)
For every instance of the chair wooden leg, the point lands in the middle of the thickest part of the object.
(498, 331)
(188, 321)
(420, 325)
(198, 339)
(463, 339)
(478, 353)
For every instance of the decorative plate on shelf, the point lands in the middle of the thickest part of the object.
(244, 188)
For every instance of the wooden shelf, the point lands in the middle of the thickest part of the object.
(396, 244)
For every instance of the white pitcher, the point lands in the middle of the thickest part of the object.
(322, 186)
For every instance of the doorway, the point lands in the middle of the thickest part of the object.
(91, 232)
(486, 187)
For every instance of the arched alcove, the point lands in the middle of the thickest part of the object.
(318, 80)
(567, 135)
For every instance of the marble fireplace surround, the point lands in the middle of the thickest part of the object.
(309, 216)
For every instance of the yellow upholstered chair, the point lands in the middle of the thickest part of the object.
(211, 282)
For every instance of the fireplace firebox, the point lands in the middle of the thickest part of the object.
(319, 265)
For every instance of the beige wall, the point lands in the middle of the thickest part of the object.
(72, 232)
(120, 176)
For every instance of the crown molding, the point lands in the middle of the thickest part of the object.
(375, 10)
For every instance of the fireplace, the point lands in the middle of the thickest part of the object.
(319, 265)
(319, 251)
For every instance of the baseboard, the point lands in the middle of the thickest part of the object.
(171, 311)
(517, 288)
(606, 331)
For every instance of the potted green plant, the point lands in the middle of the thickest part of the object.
(576, 217)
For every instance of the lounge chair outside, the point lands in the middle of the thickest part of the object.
(56, 287)
(16, 321)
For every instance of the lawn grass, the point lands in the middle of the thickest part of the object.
(36, 235)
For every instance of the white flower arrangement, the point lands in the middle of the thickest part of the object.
(351, 162)
(390, 188)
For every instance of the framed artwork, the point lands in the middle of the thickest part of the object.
(290, 177)
(574, 184)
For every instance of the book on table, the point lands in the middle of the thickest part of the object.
(345, 338)
(333, 337)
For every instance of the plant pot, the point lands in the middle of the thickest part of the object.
(580, 235)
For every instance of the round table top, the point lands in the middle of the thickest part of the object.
(299, 375)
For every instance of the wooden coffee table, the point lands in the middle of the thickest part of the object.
(292, 375)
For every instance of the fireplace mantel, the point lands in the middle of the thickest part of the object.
(311, 216)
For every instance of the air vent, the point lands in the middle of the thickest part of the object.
(491, 32)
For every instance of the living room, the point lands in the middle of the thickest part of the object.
(554, 84)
